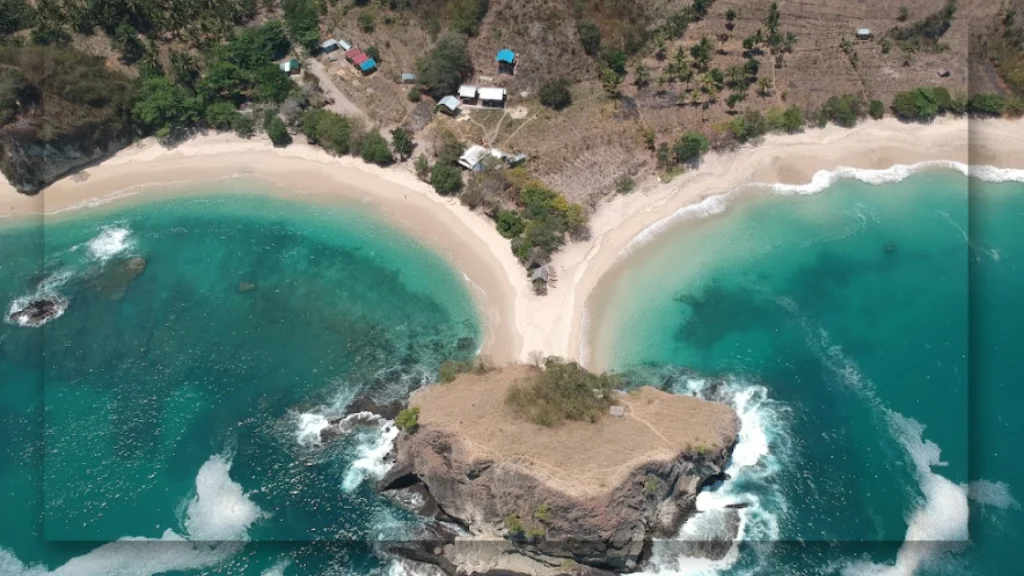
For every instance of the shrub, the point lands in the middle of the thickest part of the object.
(542, 512)
(414, 94)
(514, 525)
(555, 94)
(422, 167)
(408, 419)
(625, 184)
(366, 23)
(748, 126)
(464, 16)
(372, 52)
(590, 37)
(651, 485)
(243, 126)
(402, 143)
(332, 132)
(450, 369)
(691, 147)
(986, 104)
(921, 104)
(276, 130)
(221, 115)
(562, 391)
(789, 120)
(375, 150)
(446, 179)
(842, 111)
(876, 109)
(536, 533)
(510, 223)
(302, 18)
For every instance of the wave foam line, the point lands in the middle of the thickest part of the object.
(217, 522)
(821, 180)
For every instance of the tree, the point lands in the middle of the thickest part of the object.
(590, 37)
(919, 104)
(243, 126)
(610, 81)
(14, 15)
(736, 75)
(446, 179)
(372, 52)
(276, 130)
(402, 143)
(701, 52)
(271, 85)
(332, 132)
(442, 70)
(374, 149)
(510, 223)
(162, 107)
(691, 147)
(408, 419)
(730, 18)
(876, 109)
(986, 104)
(126, 41)
(904, 14)
(221, 115)
(464, 16)
(302, 18)
(422, 167)
(624, 184)
(764, 87)
(366, 23)
(643, 75)
(555, 94)
(700, 8)
(752, 67)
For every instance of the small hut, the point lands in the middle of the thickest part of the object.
(617, 411)
(329, 45)
(291, 66)
(367, 66)
(467, 94)
(408, 78)
(863, 33)
(506, 60)
(473, 157)
(449, 105)
(344, 45)
(494, 97)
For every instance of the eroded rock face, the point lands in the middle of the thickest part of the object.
(30, 165)
(498, 502)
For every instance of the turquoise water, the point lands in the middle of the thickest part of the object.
(183, 407)
(874, 375)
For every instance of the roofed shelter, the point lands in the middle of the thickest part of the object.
(492, 96)
(344, 45)
(352, 52)
(291, 66)
(408, 78)
(506, 60)
(329, 45)
(472, 157)
(359, 58)
(863, 33)
(449, 105)
(367, 66)
(467, 92)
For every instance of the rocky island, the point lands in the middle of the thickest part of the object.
(584, 494)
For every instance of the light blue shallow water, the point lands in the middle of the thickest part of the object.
(188, 407)
(872, 371)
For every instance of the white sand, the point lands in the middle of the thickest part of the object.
(518, 322)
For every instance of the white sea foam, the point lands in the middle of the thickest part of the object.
(309, 427)
(995, 494)
(372, 455)
(761, 433)
(219, 511)
(110, 242)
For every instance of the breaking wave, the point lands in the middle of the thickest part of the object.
(47, 289)
(217, 522)
(744, 508)
(111, 241)
(372, 454)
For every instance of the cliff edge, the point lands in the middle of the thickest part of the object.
(539, 499)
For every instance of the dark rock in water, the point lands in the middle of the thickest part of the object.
(38, 312)
(738, 505)
(112, 282)
(715, 542)
(890, 247)
(246, 287)
(386, 410)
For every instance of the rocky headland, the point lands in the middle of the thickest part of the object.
(576, 497)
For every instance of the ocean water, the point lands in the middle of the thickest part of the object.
(866, 333)
(184, 408)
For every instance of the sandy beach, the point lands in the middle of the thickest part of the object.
(517, 322)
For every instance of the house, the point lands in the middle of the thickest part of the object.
(467, 93)
(472, 158)
(345, 46)
(352, 53)
(617, 411)
(291, 66)
(367, 66)
(328, 46)
(492, 96)
(863, 33)
(506, 60)
(449, 105)
(408, 78)
(540, 274)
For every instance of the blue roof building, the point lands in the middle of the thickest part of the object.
(368, 66)
(506, 56)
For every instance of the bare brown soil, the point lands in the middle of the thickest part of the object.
(577, 458)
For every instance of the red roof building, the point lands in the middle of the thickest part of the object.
(352, 53)
(360, 58)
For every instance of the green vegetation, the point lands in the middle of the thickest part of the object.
(276, 130)
(446, 179)
(332, 132)
(302, 18)
(625, 184)
(514, 525)
(402, 142)
(408, 419)
(464, 16)
(536, 533)
(450, 369)
(414, 94)
(924, 35)
(510, 223)
(789, 120)
(422, 167)
(373, 148)
(691, 147)
(651, 485)
(548, 219)
(14, 15)
(562, 391)
(876, 109)
(921, 104)
(590, 37)
(842, 111)
(441, 71)
(986, 105)
(542, 513)
(555, 94)
(366, 22)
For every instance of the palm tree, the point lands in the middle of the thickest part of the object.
(764, 87)
(643, 75)
(736, 75)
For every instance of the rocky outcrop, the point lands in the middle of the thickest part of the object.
(35, 313)
(113, 280)
(529, 511)
(31, 164)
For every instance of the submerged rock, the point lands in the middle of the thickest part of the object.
(246, 287)
(37, 312)
(113, 280)
(890, 247)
